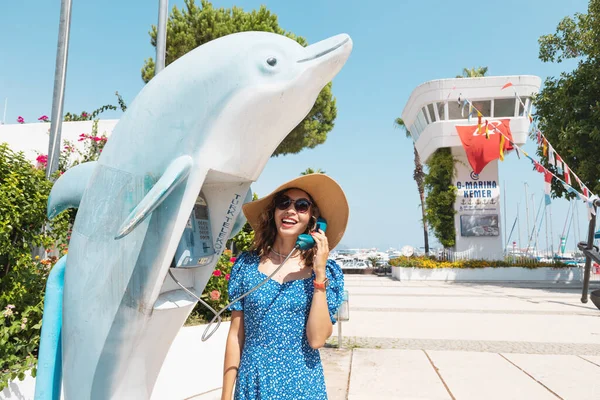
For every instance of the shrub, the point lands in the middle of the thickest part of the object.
(427, 262)
(215, 293)
(23, 197)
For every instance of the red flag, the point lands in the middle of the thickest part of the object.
(480, 151)
(539, 168)
(509, 84)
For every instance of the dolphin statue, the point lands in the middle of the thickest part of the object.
(205, 125)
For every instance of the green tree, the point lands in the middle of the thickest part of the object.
(309, 171)
(194, 26)
(475, 72)
(441, 196)
(568, 106)
(419, 177)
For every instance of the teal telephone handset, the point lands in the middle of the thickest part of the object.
(306, 241)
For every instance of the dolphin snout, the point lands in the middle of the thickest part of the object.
(335, 46)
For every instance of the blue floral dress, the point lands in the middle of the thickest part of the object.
(277, 362)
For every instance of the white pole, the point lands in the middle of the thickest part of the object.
(60, 77)
(161, 36)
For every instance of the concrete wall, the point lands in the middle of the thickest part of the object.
(565, 275)
(32, 139)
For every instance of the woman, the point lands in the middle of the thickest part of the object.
(276, 331)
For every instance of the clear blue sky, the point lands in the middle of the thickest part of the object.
(397, 46)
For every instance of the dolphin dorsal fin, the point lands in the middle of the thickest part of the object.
(68, 190)
(176, 172)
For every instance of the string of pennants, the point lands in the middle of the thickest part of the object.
(554, 159)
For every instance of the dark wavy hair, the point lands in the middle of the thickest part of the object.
(265, 234)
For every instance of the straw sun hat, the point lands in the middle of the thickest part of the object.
(327, 195)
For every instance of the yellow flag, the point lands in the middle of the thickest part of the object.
(501, 147)
(545, 148)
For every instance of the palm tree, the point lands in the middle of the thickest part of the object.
(419, 177)
(309, 171)
(473, 72)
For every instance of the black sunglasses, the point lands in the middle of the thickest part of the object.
(300, 205)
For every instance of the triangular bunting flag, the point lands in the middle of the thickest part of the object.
(539, 167)
(544, 147)
(547, 186)
(567, 175)
(559, 164)
(551, 159)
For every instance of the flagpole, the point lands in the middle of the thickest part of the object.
(505, 226)
(527, 215)
(551, 234)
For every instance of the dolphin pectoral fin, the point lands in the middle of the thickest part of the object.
(240, 221)
(68, 189)
(176, 172)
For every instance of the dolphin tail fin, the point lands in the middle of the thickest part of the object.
(49, 369)
(69, 188)
(176, 172)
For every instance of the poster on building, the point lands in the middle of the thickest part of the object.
(478, 201)
(479, 225)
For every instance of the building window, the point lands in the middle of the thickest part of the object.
(521, 109)
(421, 122)
(454, 111)
(431, 112)
(414, 132)
(484, 106)
(424, 112)
(441, 108)
(504, 108)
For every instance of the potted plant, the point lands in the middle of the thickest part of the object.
(372, 261)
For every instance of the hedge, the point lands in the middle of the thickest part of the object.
(430, 263)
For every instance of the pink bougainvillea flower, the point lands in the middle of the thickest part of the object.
(42, 159)
(215, 295)
(20, 120)
(227, 277)
(82, 135)
(217, 272)
(84, 114)
(232, 259)
(43, 118)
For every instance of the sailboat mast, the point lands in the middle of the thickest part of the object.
(551, 232)
(519, 225)
(546, 223)
(527, 213)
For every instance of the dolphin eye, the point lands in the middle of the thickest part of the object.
(272, 61)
